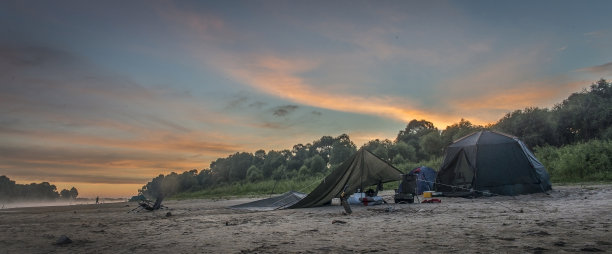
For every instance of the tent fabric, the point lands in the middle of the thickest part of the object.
(425, 177)
(494, 162)
(278, 202)
(361, 170)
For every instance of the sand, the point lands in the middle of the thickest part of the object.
(569, 219)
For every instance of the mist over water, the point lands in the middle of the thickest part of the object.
(42, 203)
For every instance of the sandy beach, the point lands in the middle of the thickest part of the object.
(568, 219)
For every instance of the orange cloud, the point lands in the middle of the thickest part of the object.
(361, 138)
(490, 104)
(280, 77)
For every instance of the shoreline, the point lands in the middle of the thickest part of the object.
(34, 204)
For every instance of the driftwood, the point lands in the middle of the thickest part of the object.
(157, 205)
(149, 205)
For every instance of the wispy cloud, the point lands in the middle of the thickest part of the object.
(604, 69)
(597, 34)
(281, 111)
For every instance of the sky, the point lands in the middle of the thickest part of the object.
(106, 95)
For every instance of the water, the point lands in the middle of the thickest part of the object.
(20, 204)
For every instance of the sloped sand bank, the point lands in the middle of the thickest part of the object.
(570, 219)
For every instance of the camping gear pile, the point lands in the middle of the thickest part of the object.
(365, 199)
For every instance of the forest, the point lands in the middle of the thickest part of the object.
(573, 140)
(11, 191)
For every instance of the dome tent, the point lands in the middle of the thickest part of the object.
(425, 179)
(494, 162)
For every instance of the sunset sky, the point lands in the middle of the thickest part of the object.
(105, 95)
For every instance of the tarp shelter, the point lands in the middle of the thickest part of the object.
(277, 202)
(494, 162)
(361, 170)
(425, 178)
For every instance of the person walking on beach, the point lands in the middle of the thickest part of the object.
(97, 200)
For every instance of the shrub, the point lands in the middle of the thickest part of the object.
(589, 161)
(254, 174)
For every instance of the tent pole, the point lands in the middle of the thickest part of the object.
(274, 187)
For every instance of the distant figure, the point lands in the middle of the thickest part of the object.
(97, 200)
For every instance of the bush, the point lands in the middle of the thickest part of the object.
(434, 163)
(254, 174)
(304, 172)
(589, 161)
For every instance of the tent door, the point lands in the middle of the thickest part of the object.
(464, 172)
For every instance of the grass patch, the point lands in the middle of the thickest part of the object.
(582, 162)
(256, 189)
(586, 183)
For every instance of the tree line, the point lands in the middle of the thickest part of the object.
(11, 191)
(583, 116)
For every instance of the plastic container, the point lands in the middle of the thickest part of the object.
(428, 194)
(335, 201)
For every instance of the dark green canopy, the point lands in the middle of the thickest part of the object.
(494, 162)
(361, 170)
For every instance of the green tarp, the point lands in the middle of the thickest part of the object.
(493, 162)
(278, 202)
(361, 170)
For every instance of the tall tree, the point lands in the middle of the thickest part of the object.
(299, 155)
(7, 188)
(459, 130)
(585, 115)
(342, 149)
(317, 164)
(239, 163)
(534, 126)
(254, 174)
(432, 144)
(272, 162)
(188, 180)
(205, 178)
(74, 193)
(220, 170)
(413, 133)
(381, 148)
(65, 194)
(322, 147)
